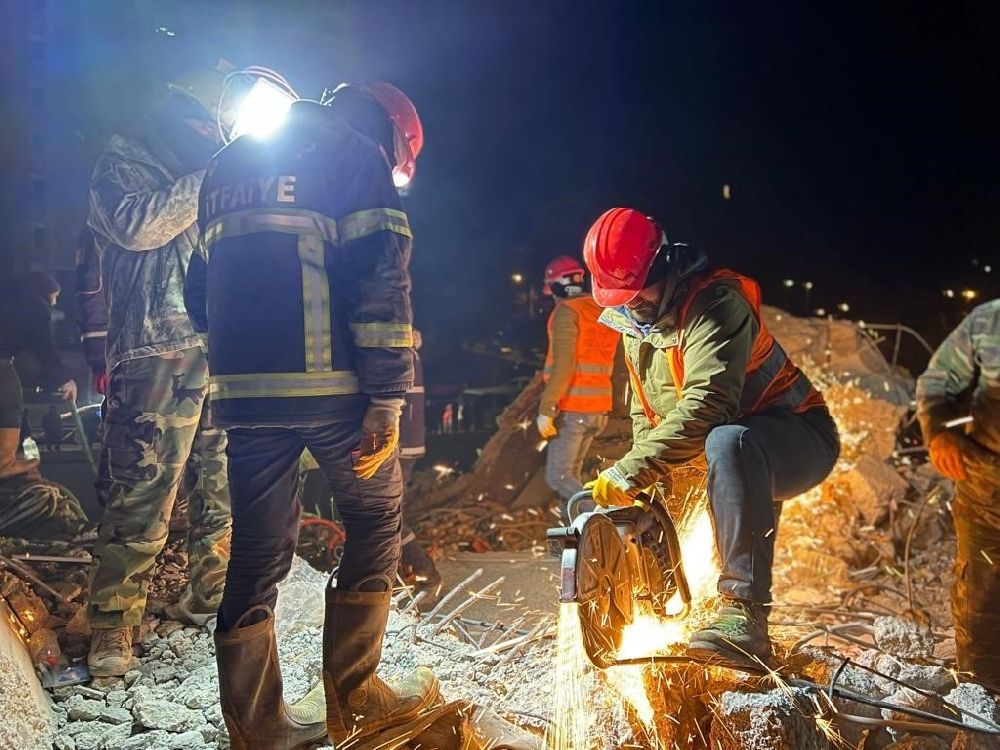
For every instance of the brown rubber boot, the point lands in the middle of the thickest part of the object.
(250, 690)
(110, 652)
(10, 464)
(359, 705)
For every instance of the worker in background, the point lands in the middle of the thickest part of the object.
(143, 207)
(577, 396)
(416, 567)
(304, 289)
(30, 506)
(709, 383)
(962, 380)
(26, 326)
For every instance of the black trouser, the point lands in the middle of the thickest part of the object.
(263, 477)
(11, 398)
(754, 463)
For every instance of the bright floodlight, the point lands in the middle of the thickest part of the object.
(262, 111)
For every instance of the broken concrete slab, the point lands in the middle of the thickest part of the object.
(979, 705)
(904, 636)
(873, 486)
(776, 720)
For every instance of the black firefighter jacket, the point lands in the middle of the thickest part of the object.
(301, 281)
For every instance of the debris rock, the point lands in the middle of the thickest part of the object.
(873, 486)
(922, 676)
(79, 708)
(904, 637)
(157, 713)
(116, 715)
(96, 735)
(910, 699)
(767, 721)
(976, 700)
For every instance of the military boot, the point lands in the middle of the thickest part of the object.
(736, 638)
(110, 652)
(359, 705)
(250, 690)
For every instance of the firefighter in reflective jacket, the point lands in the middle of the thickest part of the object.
(709, 380)
(303, 288)
(577, 396)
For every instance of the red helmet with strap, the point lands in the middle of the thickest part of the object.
(560, 268)
(408, 131)
(619, 251)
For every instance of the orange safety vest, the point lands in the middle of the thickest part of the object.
(772, 379)
(590, 389)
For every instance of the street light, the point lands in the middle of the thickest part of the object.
(969, 294)
(517, 278)
(844, 307)
(949, 293)
(788, 283)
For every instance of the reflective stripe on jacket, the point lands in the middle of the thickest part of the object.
(580, 359)
(302, 280)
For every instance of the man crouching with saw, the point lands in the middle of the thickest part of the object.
(708, 379)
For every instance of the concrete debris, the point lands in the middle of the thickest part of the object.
(911, 699)
(873, 487)
(775, 720)
(904, 636)
(977, 701)
(931, 677)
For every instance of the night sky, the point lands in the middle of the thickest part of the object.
(859, 140)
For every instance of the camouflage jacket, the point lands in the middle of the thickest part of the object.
(963, 379)
(143, 220)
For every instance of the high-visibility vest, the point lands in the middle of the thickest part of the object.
(772, 379)
(590, 389)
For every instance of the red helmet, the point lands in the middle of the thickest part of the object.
(408, 132)
(559, 268)
(619, 251)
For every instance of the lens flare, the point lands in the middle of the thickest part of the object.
(262, 111)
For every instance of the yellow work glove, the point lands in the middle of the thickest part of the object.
(546, 426)
(379, 436)
(946, 454)
(611, 489)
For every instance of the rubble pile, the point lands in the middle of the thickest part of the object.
(169, 701)
(863, 573)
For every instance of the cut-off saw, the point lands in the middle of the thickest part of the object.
(613, 558)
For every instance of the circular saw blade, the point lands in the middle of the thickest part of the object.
(604, 589)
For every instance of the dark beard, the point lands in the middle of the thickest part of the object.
(644, 311)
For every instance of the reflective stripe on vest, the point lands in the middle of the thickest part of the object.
(772, 379)
(590, 389)
(283, 384)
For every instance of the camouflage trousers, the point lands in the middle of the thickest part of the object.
(157, 421)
